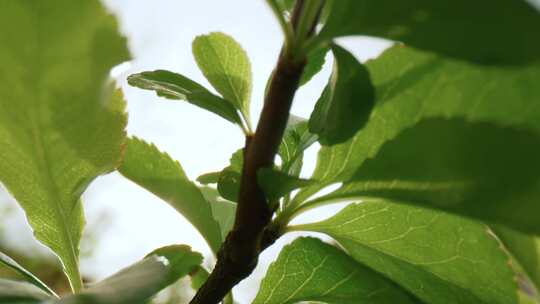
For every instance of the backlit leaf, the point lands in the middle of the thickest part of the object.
(198, 277)
(59, 127)
(295, 141)
(484, 31)
(277, 184)
(209, 178)
(30, 277)
(481, 170)
(309, 269)
(175, 86)
(158, 173)
(229, 184)
(345, 104)
(315, 63)
(226, 66)
(229, 178)
(14, 292)
(141, 281)
(223, 211)
(440, 258)
(412, 86)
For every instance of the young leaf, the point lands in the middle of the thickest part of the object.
(277, 184)
(439, 258)
(229, 184)
(223, 211)
(296, 140)
(484, 31)
(29, 277)
(236, 162)
(209, 178)
(14, 292)
(346, 102)
(226, 66)
(315, 63)
(481, 170)
(158, 173)
(139, 282)
(310, 270)
(175, 86)
(59, 128)
(198, 277)
(180, 260)
(412, 85)
(229, 178)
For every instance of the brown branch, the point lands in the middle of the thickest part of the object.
(238, 256)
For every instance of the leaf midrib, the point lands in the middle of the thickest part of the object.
(419, 266)
(48, 180)
(227, 76)
(42, 159)
(321, 229)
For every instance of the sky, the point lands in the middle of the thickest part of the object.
(127, 221)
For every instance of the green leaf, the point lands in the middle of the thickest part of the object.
(223, 211)
(209, 178)
(346, 103)
(236, 162)
(315, 63)
(310, 270)
(59, 127)
(229, 184)
(229, 178)
(412, 85)
(139, 282)
(226, 66)
(481, 170)
(438, 257)
(198, 277)
(180, 260)
(484, 31)
(277, 184)
(158, 173)
(526, 250)
(175, 86)
(14, 292)
(27, 275)
(295, 141)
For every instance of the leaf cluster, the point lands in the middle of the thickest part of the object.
(434, 144)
